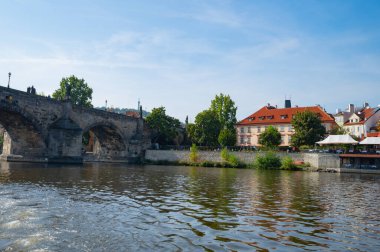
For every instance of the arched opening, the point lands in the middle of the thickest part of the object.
(103, 142)
(21, 137)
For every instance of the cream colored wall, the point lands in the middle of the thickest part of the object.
(251, 138)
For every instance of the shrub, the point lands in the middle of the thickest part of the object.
(194, 153)
(229, 159)
(287, 163)
(224, 154)
(267, 161)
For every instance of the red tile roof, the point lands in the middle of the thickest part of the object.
(364, 114)
(373, 134)
(268, 115)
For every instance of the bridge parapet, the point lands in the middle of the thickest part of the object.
(31, 123)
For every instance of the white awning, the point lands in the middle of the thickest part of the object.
(338, 139)
(371, 140)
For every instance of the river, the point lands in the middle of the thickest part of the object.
(115, 207)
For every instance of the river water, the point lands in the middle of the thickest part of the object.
(114, 207)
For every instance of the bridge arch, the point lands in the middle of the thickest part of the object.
(23, 136)
(105, 141)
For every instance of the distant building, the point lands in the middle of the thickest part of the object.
(361, 123)
(250, 128)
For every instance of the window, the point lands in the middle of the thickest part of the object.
(291, 128)
(282, 139)
(284, 116)
(249, 129)
(241, 140)
(282, 128)
(258, 129)
(242, 130)
(289, 139)
(249, 140)
(270, 117)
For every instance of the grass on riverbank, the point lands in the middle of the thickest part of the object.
(267, 161)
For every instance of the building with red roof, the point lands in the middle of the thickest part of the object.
(360, 123)
(250, 128)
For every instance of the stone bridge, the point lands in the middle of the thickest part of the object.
(39, 128)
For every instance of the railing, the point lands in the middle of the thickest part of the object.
(361, 166)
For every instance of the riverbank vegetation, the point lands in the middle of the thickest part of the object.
(267, 160)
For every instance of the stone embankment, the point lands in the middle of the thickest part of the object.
(316, 160)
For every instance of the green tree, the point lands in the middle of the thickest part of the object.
(227, 137)
(80, 92)
(224, 108)
(308, 128)
(337, 130)
(206, 129)
(270, 138)
(164, 128)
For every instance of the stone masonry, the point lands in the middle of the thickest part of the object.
(43, 129)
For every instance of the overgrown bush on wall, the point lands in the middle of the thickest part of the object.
(229, 158)
(287, 163)
(267, 161)
(194, 154)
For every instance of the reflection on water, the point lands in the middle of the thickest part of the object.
(104, 207)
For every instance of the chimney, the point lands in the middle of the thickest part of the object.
(288, 104)
(365, 105)
(351, 108)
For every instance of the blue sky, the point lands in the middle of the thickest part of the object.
(180, 54)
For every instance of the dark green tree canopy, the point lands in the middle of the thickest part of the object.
(270, 138)
(308, 128)
(206, 129)
(80, 92)
(164, 128)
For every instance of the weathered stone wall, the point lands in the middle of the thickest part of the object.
(43, 127)
(315, 159)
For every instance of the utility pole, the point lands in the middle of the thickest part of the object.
(9, 78)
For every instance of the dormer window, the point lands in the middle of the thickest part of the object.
(251, 119)
(270, 117)
(261, 117)
(284, 116)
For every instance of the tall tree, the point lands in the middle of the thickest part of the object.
(164, 128)
(206, 129)
(270, 138)
(224, 108)
(308, 128)
(80, 92)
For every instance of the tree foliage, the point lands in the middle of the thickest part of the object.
(308, 128)
(338, 130)
(205, 130)
(270, 138)
(80, 92)
(225, 110)
(164, 128)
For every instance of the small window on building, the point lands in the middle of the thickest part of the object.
(248, 140)
(249, 129)
(258, 129)
(282, 139)
(241, 140)
(284, 116)
(242, 130)
(282, 128)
